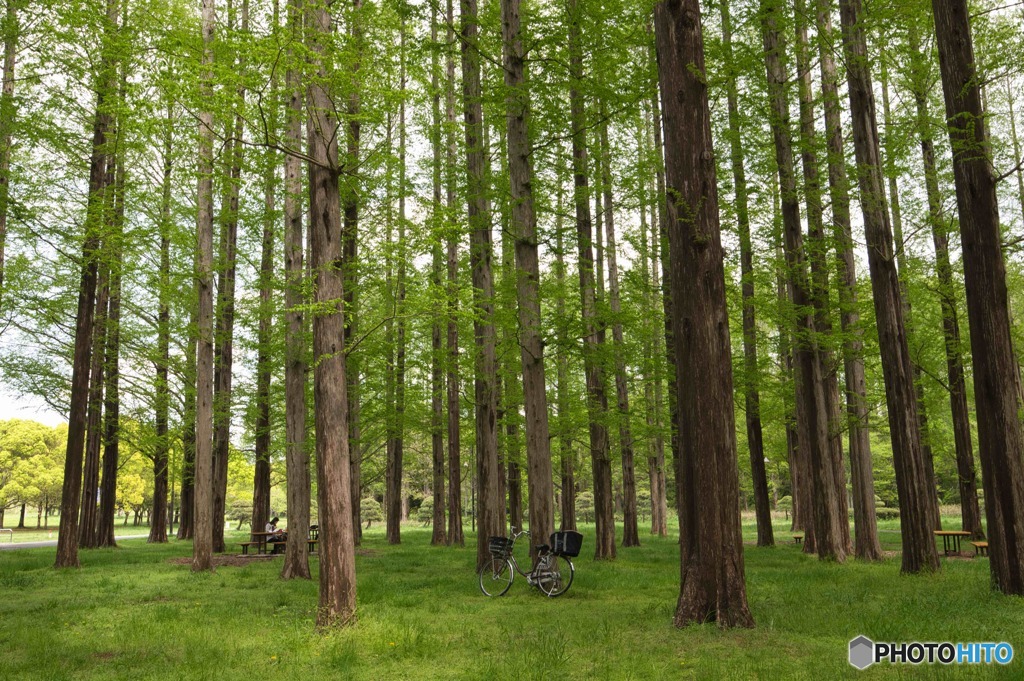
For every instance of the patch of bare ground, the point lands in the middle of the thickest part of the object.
(225, 560)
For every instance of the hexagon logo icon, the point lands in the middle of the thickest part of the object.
(862, 652)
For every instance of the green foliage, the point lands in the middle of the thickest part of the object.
(370, 511)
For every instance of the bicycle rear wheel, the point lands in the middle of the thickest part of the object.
(555, 577)
(496, 577)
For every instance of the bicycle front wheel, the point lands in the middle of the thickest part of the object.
(555, 578)
(496, 577)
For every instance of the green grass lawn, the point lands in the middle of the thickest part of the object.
(131, 613)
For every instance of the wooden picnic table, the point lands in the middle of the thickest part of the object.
(951, 540)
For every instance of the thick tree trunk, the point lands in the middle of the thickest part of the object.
(919, 552)
(712, 583)
(186, 501)
(527, 269)
(490, 504)
(296, 558)
(968, 483)
(813, 408)
(593, 340)
(337, 543)
(71, 497)
(866, 544)
(996, 382)
(202, 544)
(751, 390)
(455, 534)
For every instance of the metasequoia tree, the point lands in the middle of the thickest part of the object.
(490, 503)
(68, 535)
(527, 270)
(597, 399)
(10, 32)
(916, 527)
(337, 605)
(751, 391)
(455, 534)
(812, 406)
(921, 76)
(712, 583)
(996, 382)
(296, 559)
(867, 546)
(202, 520)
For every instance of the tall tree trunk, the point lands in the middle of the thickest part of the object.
(712, 583)
(224, 338)
(904, 275)
(813, 410)
(337, 544)
(455, 534)
(967, 478)
(163, 388)
(202, 543)
(817, 256)
(566, 455)
(593, 340)
(867, 546)
(94, 435)
(71, 497)
(490, 504)
(8, 112)
(751, 390)
(630, 531)
(112, 404)
(296, 558)
(919, 552)
(350, 246)
(527, 268)
(996, 381)
(659, 492)
(437, 491)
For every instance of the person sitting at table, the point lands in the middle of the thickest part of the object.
(275, 534)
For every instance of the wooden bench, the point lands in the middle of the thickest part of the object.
(980, 548)
(798, 538)
(247, 544)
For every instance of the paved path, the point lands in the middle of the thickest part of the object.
(6, 546)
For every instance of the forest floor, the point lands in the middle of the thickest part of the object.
(137, 612)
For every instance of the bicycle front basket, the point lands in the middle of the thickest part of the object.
(500, 547)
(566, 543)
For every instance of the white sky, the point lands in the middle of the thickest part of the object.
(29, 408)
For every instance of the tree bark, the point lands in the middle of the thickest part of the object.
(490, 505)
(337, 543)
(712, 583)
(68, 535)
(455, 534)
(527, 269)
(597, 400)
(919, 554)
(866, 545)
(567, 462)
(996, 381)
(970, 512)
(751, 390)
(202, 543)
(94, 435)
(813, 412)
(296, 558)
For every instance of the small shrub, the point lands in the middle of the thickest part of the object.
(887, 513)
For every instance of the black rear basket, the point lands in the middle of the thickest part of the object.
(500, 547)
(566, 543)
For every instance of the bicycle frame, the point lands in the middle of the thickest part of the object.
(545, 575)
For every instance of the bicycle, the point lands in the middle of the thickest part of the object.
(553, 573)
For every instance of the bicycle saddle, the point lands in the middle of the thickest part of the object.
(542, 548)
